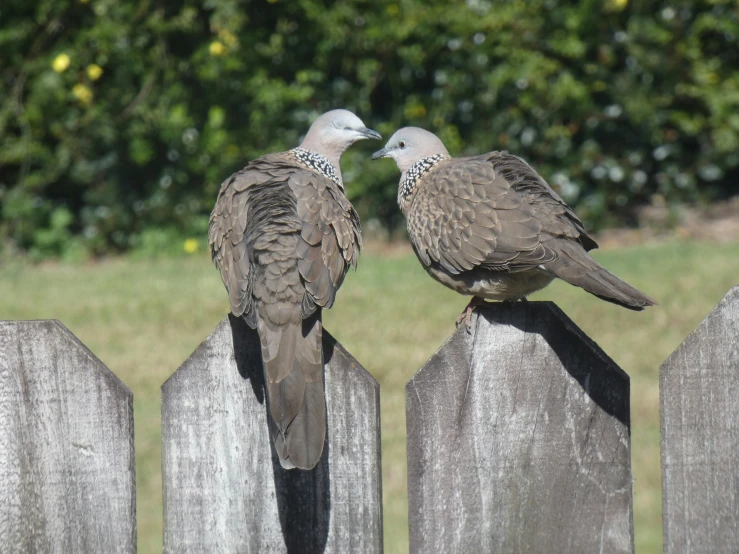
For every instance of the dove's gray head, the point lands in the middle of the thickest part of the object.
(416, 151)
(335, 131)
(410, 145)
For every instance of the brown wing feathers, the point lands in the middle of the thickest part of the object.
(283, 238)
(465, 216)
(559, 217)
(495, 212)
(330, 239)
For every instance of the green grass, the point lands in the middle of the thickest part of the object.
(144, 317)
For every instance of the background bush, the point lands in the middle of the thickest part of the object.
(120, 119)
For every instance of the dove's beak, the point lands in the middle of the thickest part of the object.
(370, 134)
(380, 154)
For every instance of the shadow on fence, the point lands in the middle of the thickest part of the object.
(303, 497)
(223, 484)
(518, 441)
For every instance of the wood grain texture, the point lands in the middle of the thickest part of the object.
(519, 440)
(224, 488)
(699, 404)
(67, 473)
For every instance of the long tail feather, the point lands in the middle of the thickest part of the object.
(293, 367)
(578, 268)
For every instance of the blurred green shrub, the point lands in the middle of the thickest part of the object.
(120, 119)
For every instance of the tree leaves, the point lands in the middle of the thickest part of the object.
(614, 102)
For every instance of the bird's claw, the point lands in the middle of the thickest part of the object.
(466, 315)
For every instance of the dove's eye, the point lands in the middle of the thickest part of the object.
(401, 144)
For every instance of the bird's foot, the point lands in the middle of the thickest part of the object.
(466, 315)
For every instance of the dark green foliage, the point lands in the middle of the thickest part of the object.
(612, 101)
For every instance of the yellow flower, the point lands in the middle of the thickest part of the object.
(82, 93)
(392, 9)
(60, 63)
(191, 246)
(615, 5)
(94, 72)
(216, 48)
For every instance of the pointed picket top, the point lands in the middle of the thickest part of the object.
(66, 445)
(224, 488)
(519, 439)
(701, 346)
(699, 409)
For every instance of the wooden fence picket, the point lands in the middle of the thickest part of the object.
(519, 440)
(67, 473)
(699, 407)
(224, 489)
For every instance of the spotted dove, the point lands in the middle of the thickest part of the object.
(283, 235)
(489, 226)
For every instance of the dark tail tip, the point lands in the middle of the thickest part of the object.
(578, 268)
(606, 286)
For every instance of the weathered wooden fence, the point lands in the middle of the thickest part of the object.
(66, 445)
(224, 488)
(699, 405)
(518, 441)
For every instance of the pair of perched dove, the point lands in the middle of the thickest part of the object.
(283, 235)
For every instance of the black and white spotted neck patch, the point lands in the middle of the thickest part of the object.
(318, 163)
(416, 171)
